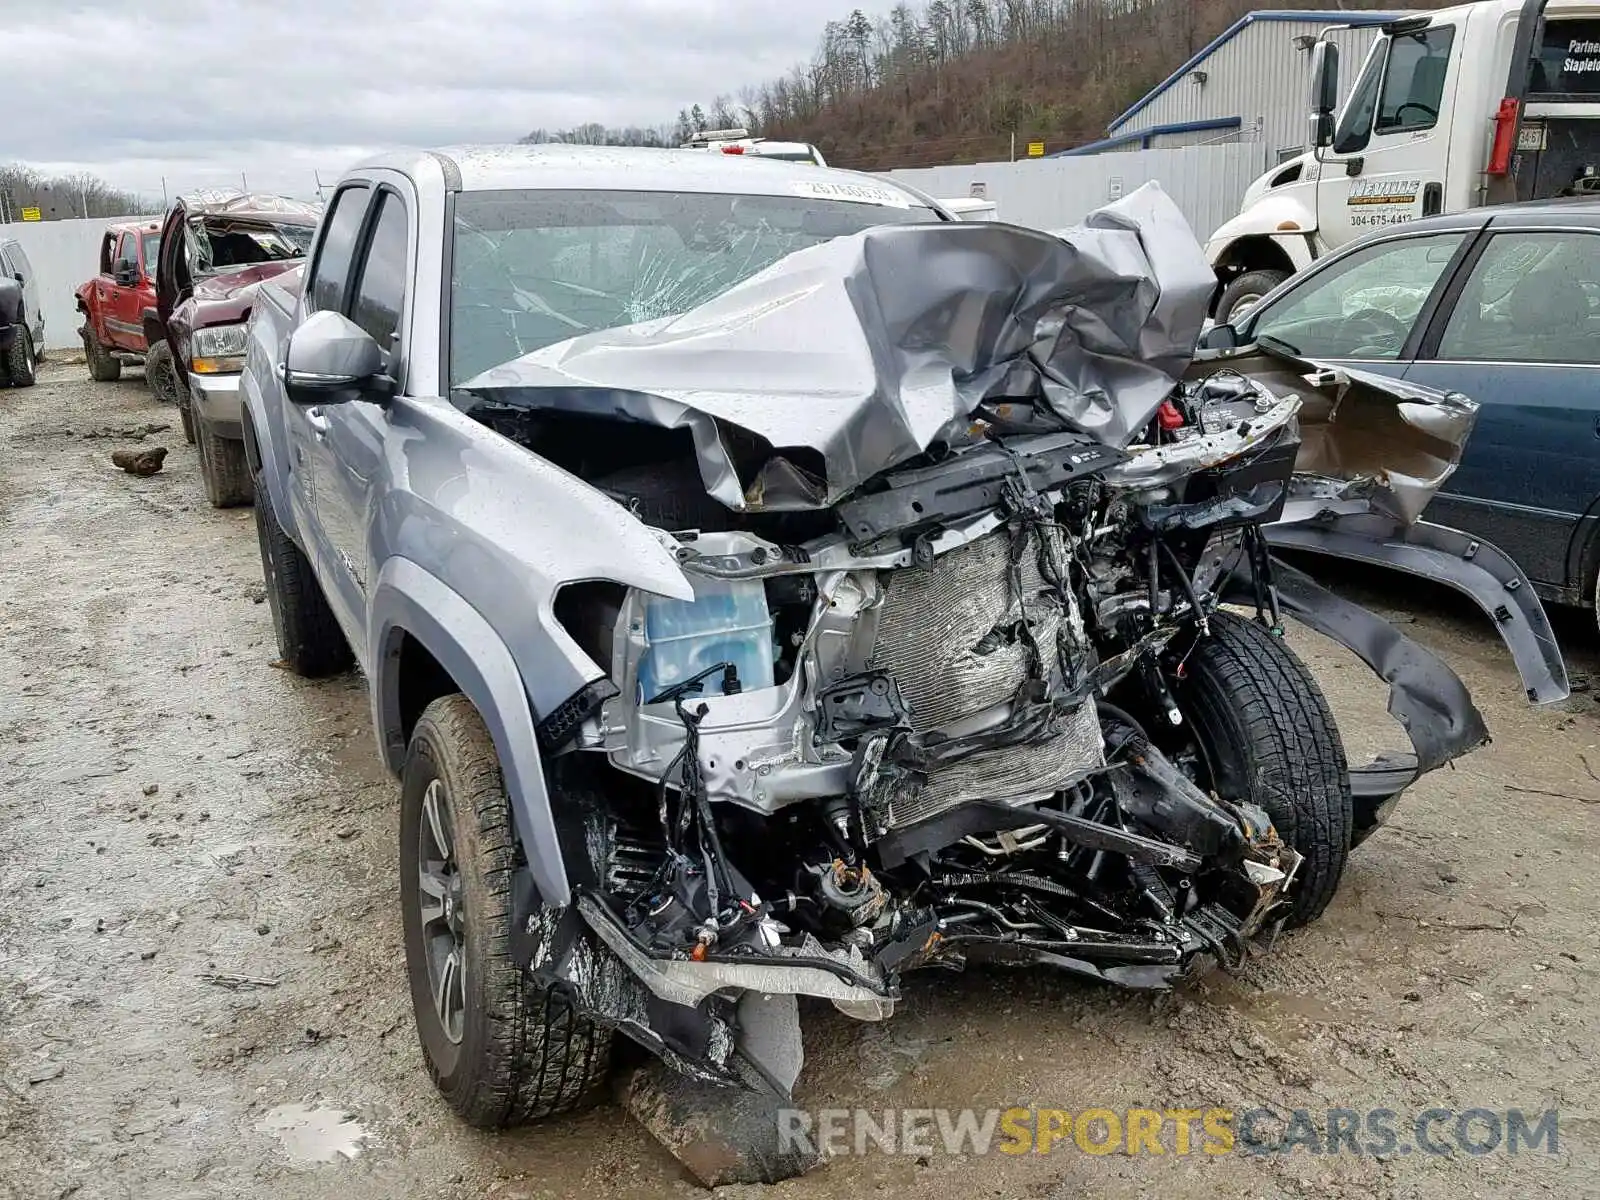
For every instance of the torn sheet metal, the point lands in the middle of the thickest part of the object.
(225, 202)
(1388, 442)
(868, 349)
(1347, 528)
(1425, 696)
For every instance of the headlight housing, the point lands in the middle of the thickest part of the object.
(219, 349)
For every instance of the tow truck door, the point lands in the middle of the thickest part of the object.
(1391, 151)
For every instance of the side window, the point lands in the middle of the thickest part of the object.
(1355, 123)
(107, 246)
(127, 249)
(381, 290)
(1533, 297)
(1413, 86)
(1365, 304)
(331, 271)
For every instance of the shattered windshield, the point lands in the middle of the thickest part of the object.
(216, 245)
(533, 268)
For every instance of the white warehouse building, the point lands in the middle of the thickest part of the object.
(1252, 84)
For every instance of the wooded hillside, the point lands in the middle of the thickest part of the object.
(953, 80)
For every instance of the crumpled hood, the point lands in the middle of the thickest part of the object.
(866, 349)
(236, 282)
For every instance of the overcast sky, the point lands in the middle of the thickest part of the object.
(199, 91)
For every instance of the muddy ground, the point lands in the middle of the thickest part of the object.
(177, 814)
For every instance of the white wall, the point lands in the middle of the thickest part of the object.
(64, 254)
(1207, 182)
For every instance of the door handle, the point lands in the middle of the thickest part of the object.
(317, 420)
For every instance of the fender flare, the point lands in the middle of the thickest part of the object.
(408, 600)
(1266, 219)
(1472, 566)
(261, 455)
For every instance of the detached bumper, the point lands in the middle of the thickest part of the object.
(215, 400)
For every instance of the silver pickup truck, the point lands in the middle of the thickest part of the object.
(768, 585)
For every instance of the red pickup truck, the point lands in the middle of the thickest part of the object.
(119, 306)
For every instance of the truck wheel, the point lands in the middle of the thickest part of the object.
(501, 1049)
(310, 642)
(1244, 293)
(223, 468)
(103, 366)
(1267, 737)
(19, 359)
(159, 373)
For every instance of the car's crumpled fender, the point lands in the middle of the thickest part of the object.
(409, 601)
(1470, 565)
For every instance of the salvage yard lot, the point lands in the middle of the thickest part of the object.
(200, 918)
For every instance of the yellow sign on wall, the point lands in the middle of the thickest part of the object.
(1035, 149)
(32, 214)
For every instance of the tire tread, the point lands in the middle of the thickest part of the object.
(1250, 692)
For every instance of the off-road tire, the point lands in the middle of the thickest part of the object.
(1251, 283)
(223, 468)
(160, 373)
(19, 359)
(104, 367)
(310, 642)
(1268, 738)
(524, 1054)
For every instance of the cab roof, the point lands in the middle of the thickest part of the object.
(121, 227)
(624, 168)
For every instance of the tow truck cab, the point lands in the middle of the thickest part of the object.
(739, 141)
(1479, 104)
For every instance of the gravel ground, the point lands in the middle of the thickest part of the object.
(200, 947)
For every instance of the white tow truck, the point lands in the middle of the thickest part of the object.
(739, 141)
(1485, 103)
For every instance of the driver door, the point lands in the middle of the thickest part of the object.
(1366, 306)
(1391, 152)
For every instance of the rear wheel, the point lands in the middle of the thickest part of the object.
(104, 367)
(502, 1049)
(1268, 738)
(310, 641)
(223, 468)
(20, 359)
(1244, 293)
(159, 372)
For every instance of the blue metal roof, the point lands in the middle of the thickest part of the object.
(1155, 131)
(1322, 16)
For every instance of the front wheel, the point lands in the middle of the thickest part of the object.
(1244, 293)
(310, 642)
(223, 467)
(502, 1049)
(104, 367)
(1267, 737)
(20, 359)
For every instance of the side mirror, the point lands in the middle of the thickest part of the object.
(330, 360)
(1220, 337)
(126, 272)
(1324, 93)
